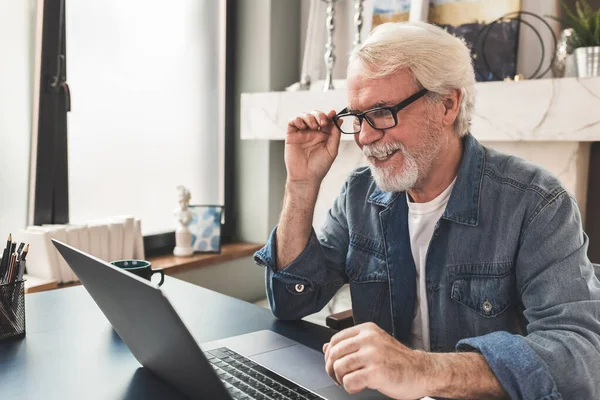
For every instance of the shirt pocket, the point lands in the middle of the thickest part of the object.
(366, 268)
(485, 288)
(365, 261)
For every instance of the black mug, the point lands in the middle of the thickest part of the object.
(141, 268)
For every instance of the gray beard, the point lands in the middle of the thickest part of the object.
(390, 182)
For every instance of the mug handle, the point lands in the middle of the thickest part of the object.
(162, 275)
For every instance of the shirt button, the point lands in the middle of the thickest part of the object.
(487, 306)
(432, 287)
(299, 288)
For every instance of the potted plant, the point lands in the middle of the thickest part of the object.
(585, 23)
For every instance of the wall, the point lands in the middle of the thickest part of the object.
(529, 47)
(266, 59)
(530, 51)
(271, 36)
(17, 28)
(239, 278)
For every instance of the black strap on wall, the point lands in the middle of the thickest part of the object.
(52, 189)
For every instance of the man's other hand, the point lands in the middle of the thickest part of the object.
(365, 356)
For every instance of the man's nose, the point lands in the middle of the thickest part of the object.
(368, 134)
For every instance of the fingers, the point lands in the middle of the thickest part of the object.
(311, 121)
(344, 334)
(335, 353)
(356, 381)
(321, 118)
(333, 141)
(296, 124)
(314, 120)
(347, 364)
(342, 349)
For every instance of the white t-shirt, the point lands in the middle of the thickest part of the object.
(422, 218)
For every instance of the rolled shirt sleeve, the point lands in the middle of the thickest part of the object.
(315, 276)
(560, 356)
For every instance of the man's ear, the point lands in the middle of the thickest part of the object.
(452, 106)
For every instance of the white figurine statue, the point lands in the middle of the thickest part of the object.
(183, 236)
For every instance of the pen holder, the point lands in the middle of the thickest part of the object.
(12, 310)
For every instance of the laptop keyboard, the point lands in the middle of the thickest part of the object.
(245, 380)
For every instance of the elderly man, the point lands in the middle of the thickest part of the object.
(467, 268)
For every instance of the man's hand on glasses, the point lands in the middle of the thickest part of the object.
(311, 146)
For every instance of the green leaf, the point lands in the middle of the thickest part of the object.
(572, 18)
(587, 9)
(585, 22)
(579, 10)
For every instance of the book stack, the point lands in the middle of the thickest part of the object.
(110, 239)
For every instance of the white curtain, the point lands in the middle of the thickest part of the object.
(147, 101)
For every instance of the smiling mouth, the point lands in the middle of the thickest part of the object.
(384, 157)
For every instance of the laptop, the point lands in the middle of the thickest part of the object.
(260, 365)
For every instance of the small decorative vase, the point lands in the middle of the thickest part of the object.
(564, 49)
(588, 61)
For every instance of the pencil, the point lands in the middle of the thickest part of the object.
(13, 258)
(2, 264)
(24, 254)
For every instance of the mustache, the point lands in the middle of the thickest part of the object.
(382, 149)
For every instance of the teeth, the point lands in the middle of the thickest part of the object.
(381, 153)
(383, 156)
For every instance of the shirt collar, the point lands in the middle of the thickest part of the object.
(463, 206)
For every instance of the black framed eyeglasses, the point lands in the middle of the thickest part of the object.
(379, 117)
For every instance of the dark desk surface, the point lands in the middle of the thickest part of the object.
(72, 352)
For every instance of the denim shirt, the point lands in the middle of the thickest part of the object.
(507, 273)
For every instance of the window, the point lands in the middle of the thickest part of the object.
(147, 111)
(17, 31)
(148, 83)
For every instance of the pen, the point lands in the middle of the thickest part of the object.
(21, 270)
(23, 255)
(2, 263)
(20, 249)
(5, 257)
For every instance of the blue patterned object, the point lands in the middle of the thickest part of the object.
(205, 227)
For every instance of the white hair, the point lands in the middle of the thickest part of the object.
(438, 61)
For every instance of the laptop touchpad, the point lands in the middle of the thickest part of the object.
(298, 363)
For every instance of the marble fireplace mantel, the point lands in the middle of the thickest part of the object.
(566, 109)
(550, 122)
